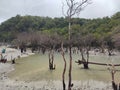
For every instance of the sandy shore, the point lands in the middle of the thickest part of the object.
(52, 85)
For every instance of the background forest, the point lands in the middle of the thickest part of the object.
(104, 30)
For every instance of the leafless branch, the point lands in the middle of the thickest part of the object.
(63, 9)
(75, 7)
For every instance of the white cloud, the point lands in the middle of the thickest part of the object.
(100, 8)
(53, 8)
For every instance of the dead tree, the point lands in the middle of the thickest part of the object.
(52, 42)
(50, 45)
(73, 8)
(3, 58)
(83, 59)
(116, 40)
(113, 71)
(64, 70)
(84, 44)
(22, 40)
(102, 43)
(51, 60)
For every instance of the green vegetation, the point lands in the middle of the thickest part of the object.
(99, 27)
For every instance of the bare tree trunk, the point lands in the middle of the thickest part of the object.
(64, 70)
(114, 85)
(70, 69)
(53, 65)
(74, 7)
(87, 54)
(113, 71)
(85, 63)
(102, 48)
(110, 52)
(52, 57)
(87, 58)
(51, 60)
(43, 50)
(70, 56)
(81, 51)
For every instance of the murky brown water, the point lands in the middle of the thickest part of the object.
(35, 68)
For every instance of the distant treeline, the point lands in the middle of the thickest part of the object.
(106, 27)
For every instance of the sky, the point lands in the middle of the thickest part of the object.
(53, 8)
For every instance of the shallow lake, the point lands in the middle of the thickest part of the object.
(35, 68)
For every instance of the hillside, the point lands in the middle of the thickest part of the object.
(100, 26)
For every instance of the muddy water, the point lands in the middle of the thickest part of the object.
(35, 68)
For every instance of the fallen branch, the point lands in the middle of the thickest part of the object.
(104, 64)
